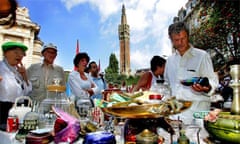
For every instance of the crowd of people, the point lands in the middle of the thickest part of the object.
(86, 81)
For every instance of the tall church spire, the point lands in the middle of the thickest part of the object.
(124, 40)
(124, 17)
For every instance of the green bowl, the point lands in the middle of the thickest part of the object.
(226, 128)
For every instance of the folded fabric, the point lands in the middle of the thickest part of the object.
(66, 127)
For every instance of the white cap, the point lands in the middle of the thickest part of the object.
(49, 46)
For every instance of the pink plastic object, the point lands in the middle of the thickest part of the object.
(71, 131)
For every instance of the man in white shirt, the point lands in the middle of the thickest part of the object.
(185, 63)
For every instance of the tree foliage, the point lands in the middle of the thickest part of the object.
(219, 29)
(112, 73)
(113, 64)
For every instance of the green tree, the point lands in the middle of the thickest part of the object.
(132, 80)
(220, 29)
(112, 71)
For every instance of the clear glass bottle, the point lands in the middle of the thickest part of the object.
(119, 131)
(166, 91)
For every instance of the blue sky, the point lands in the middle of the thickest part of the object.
(95, 24)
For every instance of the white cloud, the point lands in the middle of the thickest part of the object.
(152, 25)
(141, 58)
(171, 6)
(71, 3)
(148, 20)
(105, 7)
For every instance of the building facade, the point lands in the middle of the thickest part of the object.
(26, 32)
(124, 39)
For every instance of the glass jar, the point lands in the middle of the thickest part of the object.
(55, 97)
(162, 88)
(166, 91)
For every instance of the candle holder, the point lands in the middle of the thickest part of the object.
(235, 84)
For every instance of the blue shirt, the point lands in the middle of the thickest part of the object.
(101, 86)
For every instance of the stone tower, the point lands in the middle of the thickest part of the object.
(124, 39)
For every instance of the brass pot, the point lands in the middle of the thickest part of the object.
(226, 128)
(147, 137)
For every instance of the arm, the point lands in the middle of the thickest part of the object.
(26, 83)
(94, 88)
(206, 70)
(142, 82)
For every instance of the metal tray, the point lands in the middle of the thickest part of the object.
(140, 111)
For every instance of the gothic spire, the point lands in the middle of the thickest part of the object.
(123, 18)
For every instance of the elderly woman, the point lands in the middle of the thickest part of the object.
(14, 82)
(81, 84)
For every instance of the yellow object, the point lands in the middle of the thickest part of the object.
(57, 88)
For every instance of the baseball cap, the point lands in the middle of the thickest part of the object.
(49, 46)
(10, 45)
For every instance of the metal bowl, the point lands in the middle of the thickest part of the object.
(226, 128)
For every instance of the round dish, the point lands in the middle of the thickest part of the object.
(141, 111)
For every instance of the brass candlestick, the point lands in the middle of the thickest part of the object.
(235, 84)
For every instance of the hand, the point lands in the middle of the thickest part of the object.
(21, 69)
(92, 85)
(90, 92)
(0, 78)
(197, 87)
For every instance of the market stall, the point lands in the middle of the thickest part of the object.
(140, 117)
